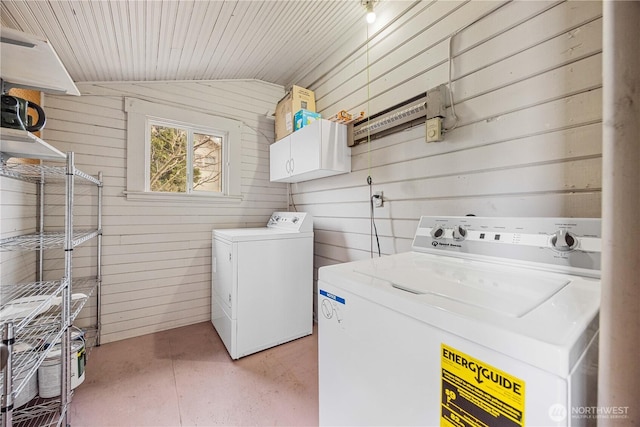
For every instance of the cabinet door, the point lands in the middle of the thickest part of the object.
(280, 159)
(336, 155)
(305, 148)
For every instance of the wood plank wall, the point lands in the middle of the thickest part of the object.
(18, 215)
(156, 255)
(527, 88)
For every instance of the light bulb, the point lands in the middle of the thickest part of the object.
(371, 15)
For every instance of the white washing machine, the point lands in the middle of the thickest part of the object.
(262, 283)
(486, 322)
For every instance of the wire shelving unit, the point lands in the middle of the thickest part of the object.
(37, 315)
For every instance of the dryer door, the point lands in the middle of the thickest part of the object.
(224, 276)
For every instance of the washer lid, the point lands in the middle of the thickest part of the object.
(263, 233)
(499, 288)
(549, 329)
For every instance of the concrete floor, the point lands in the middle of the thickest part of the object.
(185, 377)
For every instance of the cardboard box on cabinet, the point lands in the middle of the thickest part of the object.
(297, 99)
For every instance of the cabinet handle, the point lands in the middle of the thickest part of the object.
(286, 166)
(293, 165)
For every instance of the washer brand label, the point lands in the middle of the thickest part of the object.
(436, 244)
(332, 296)
(475, 393)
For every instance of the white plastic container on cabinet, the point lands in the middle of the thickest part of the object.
(316, 151)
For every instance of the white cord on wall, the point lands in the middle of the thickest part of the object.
(459, 30)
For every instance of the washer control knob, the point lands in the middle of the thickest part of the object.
(564, 241)
(437, 232)
(459, 232)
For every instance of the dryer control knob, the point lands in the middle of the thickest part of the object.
(564, 241)
(459, 232)
(437, 232)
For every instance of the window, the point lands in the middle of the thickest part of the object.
(184, 160)
(180, 155)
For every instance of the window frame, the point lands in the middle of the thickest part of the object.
(190, 131)
(140, 115)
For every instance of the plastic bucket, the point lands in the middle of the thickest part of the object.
(29, 391)
(49, 370)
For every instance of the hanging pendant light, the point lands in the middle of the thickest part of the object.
(371, 14)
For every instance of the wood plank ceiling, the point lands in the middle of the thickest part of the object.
(135, 40)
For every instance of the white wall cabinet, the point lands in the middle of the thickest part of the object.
(315, 151)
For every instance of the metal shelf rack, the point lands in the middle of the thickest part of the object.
(40, 173)
(46, 240)
(44, 311)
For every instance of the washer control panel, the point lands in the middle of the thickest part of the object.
(294, 221)
(563, 242)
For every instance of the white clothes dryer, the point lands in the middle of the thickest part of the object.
(262, 283)
(486, 322)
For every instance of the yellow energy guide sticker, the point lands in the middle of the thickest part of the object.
(476, 394)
